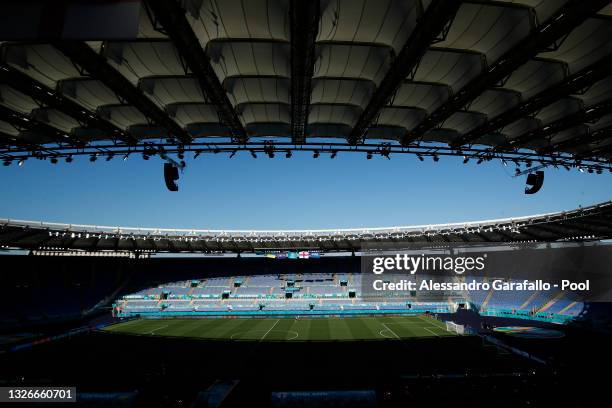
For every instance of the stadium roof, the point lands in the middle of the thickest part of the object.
(528, 81)
(589, 223)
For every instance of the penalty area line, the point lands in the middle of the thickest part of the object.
(391, 331)
(269, 330)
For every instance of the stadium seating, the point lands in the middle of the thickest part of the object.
(324, 294)
(550, 306)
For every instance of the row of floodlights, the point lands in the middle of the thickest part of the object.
(333, 153)
(106, 254)
(579, 238)
(309, 238)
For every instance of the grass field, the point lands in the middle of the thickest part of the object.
(288, 329)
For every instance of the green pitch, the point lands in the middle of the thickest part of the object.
(288, 329)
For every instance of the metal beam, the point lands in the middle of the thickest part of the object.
(22, 121)
(568, 17)
(9, 141)
(17, 235)
(601, 151)
(571, 85)
(591, 137)
(96, 65)
(530, 233)
(172, 18)
(49, 98)
(434, 21)
(305, 17)
(573, 225)
(505, 235)
(483, 237)
(596, 223)
(551, 228)
(589, 114)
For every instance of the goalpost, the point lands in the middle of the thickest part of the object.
(455, 328)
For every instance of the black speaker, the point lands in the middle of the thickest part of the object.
(171, 175)
(534, 182)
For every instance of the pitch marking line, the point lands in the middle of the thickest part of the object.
(269, 330)
(382, 334)
(391, 331)
(159, 328)
(437, 335)
(419, 325)
(243, 333)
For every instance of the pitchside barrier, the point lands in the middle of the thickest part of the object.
(285, 313)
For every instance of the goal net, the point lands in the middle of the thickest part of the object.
(455, 328)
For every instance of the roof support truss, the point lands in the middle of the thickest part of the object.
(23, 122)
(568, 17)
(571, 85)
(47, 97)
(552, 229)
(305, 16)
(97, 66)
(430, 25)
(590, 114)
(531, 233)
(607, 149)
(10, 142)
(586, 229)
(174, 22)
(592, 137)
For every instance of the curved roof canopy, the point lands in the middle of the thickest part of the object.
(521, 80)
(589, 223)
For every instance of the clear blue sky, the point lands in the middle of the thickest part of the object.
(301, 192)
